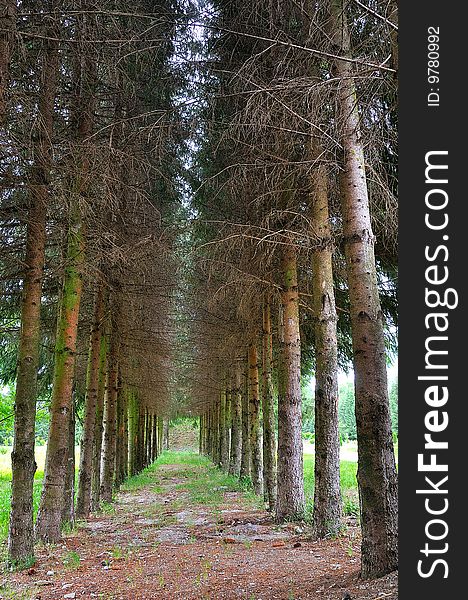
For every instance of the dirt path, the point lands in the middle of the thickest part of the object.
(180, 532)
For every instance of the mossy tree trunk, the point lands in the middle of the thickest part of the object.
(327, 517)
(21, 530)
(377, 478)
(49, 516)
(256, 474)
(269, 439)
(290, 501)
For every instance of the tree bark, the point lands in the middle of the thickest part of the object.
(236, 432)
(269, 440)
(245, 453)
(98, 427)
(51, 504)
(290, 501)
(254, 422)
(223, 432)
(68, 509)
(166, 433)
(155, 437)
(110, 417)
(327, 517)
(21, 529)
(83, 502)
(377, 477)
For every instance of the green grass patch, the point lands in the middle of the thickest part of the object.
(348, 472)
(5, 499)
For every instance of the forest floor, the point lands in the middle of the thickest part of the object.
(184, 530)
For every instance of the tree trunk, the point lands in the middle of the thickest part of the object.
(83, 502)
(110, 419)
(223, 439)
(327, 518)
(166, 433)
(121, 454)
(245, 451)
(51, 504)
(98, 426)
(7, 39)
(160, 434)
(377, 477)
(254, 422)
(155, 438)
(21, 530)
(236, 432)
(68, 509)
(269, 440)
(290, 494)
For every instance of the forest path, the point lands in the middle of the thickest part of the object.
(183, 529)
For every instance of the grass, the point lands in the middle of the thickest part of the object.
(348, 471)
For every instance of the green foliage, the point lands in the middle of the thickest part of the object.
(346, 416)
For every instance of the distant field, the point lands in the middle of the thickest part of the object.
(5, 483)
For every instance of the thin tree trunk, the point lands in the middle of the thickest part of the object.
(254, 422)
(110, 420)
(236, 432)
(269, 440)
(327, 517)
(68, 509)
(83, 502)
(377, 477)
(21, 530)
(155, 437)
(121, 440)
(290, 501)
(245, 451)
(223, 440)
(166, 433)
(160, 434)
(98, 426)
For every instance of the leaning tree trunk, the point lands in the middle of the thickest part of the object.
(83, 502)
(269, 440)
(21, 530)
(51, 504)
(327, 517)
(254, 422)
(290, 501)
(236, 431)
(377, 477)
(110, 417)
